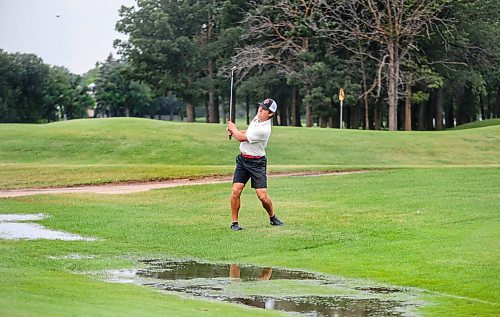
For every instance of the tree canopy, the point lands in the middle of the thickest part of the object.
(423, 65)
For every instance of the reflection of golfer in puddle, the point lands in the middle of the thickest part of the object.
(265, 275)
(234, 273)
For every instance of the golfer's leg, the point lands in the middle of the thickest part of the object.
(265, 200)
(235, 199)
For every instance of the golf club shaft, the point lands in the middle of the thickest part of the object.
(231, 98)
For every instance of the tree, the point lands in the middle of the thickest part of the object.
(9, 88)
(279, 35)
(391, 26)
(117, 94)
(58, 94)
(162, 47)
(32, 77)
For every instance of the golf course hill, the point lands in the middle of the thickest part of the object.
(91, 151)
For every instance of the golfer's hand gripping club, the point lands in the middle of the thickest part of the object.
(231, 128)
(229, 132)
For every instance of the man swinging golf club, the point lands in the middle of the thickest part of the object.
(251, 163)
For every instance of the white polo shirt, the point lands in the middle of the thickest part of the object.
(258, 134)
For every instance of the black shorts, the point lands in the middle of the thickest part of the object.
(254, 169)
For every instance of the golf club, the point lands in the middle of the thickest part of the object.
(231, 98)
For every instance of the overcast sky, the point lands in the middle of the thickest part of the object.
(82, 35)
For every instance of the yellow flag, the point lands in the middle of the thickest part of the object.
(341, 94)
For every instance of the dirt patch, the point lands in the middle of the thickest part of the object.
(126, 188)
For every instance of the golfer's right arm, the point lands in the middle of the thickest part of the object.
(239, 135)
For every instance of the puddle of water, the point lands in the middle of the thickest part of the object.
(187, 270)
(72, 256)
(17, 218)
(293, 291)
(323, 306)
(12, 229)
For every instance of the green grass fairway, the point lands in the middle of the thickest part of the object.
(435, 229)
(426, 215)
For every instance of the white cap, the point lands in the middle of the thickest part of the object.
(269, 104)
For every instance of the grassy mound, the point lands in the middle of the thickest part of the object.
(144, 141)
(478, 124)
(132, 149)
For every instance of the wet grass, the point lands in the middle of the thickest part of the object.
(430, 222)
(431, 228)
(131, 149)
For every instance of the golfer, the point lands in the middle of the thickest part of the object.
(251, 163)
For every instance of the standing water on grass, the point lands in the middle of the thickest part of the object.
(14, 227)
(298, 292)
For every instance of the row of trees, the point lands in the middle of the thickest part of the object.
(412, 64)
(32, 91)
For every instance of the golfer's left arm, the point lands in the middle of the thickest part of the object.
(239, 135)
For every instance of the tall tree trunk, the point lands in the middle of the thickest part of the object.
(355, 115)
(207, 110)
(217, 108)
(298, 115)
(496, 112)
(464, 104)
(309, 114)
(377, 115)
(190, 111)
(408, 105)
(224, 120)
(439, 109)
(323, 121)
(482, 102)
(367, 113)
(371, 114)
(283, 112)
(431, 110)
(392, 90)
(365, 88)
(421, 119)
(490, 107)
(212, 106)
(331, 119)
(449, 115)
(295, 112)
